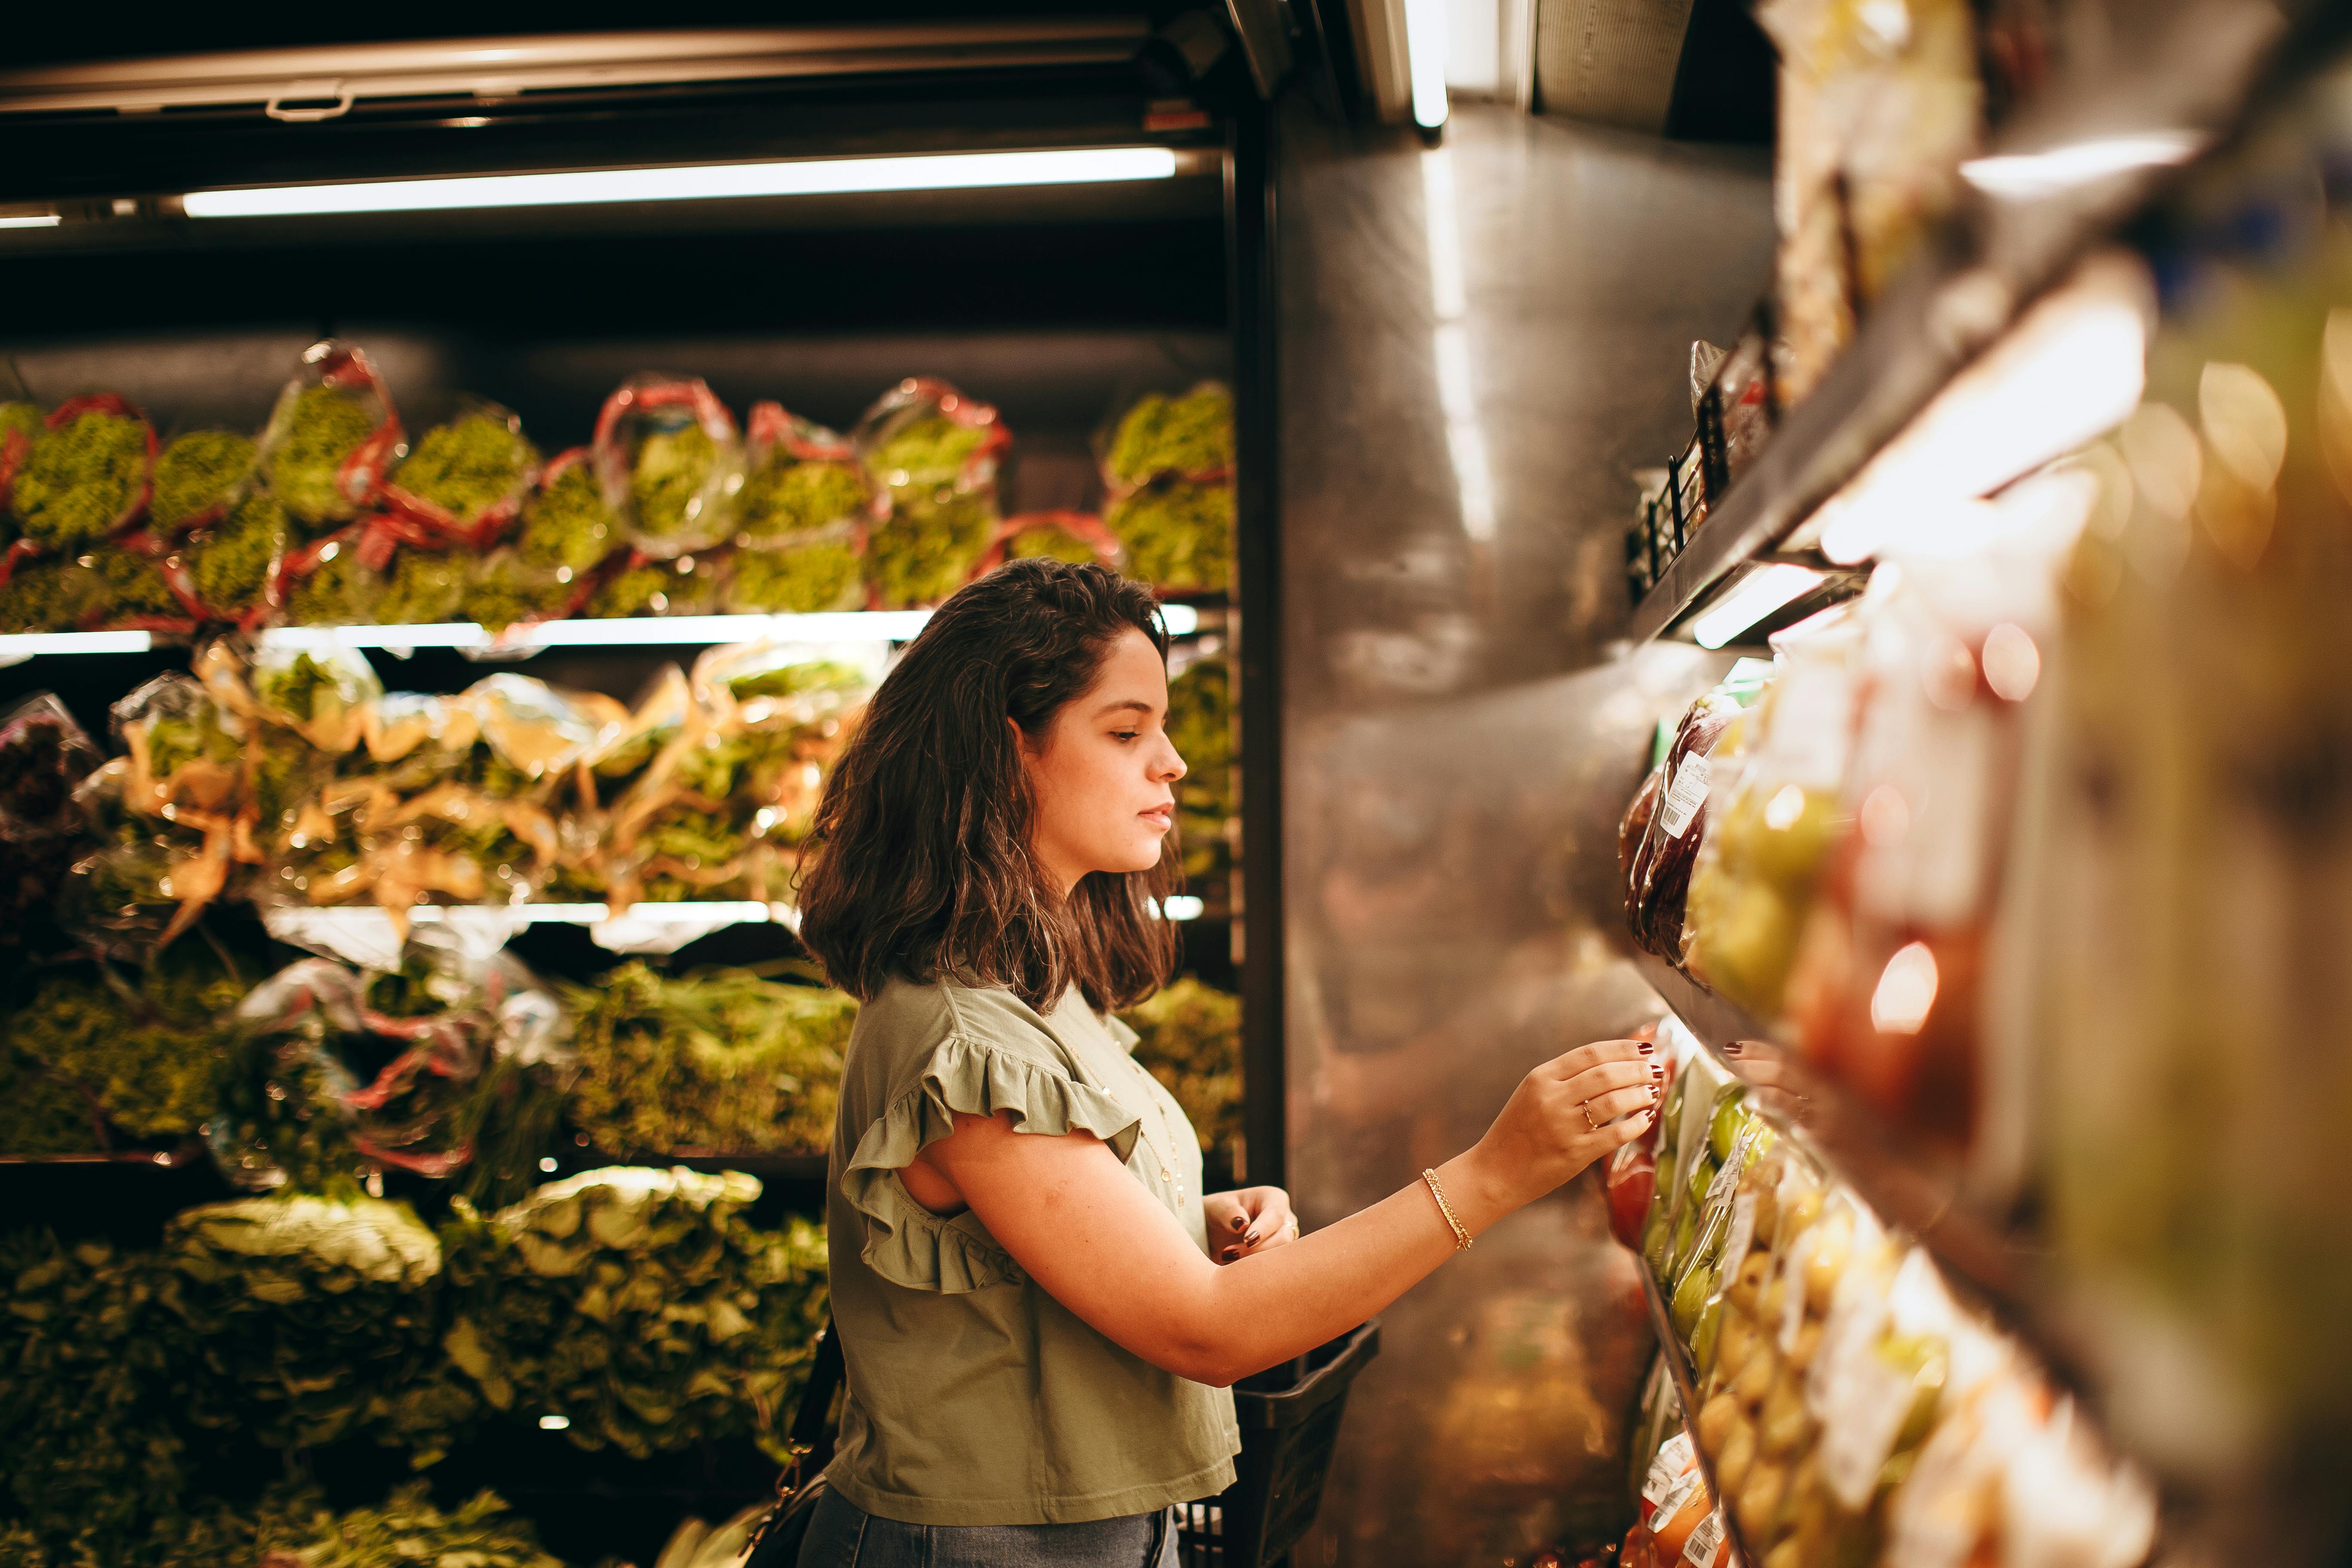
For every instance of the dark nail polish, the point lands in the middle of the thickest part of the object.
(1647, 1046)
(1656, 1094)
(1656, 1071)
(1731, 1047)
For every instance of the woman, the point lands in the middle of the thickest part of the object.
(1040, 1311)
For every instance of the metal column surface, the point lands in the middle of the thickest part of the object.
(1479, 343)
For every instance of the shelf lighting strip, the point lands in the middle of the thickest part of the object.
(643, 631)
(707, 182)
(713, 913)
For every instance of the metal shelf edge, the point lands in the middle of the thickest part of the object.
(1686, 1388)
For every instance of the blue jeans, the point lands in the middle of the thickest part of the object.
(843, 1535)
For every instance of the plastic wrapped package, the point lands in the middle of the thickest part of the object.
(330, 582)
(1778, 820)
(1660, 878)
(467, 478)
(44, 595)
(1879, 103)
(1189, 436)
(567, 526)
(324, 695)
(423, 588)
(603, 776)
(231, 567)
(642, 585)
(132, 586)
(670, 460)
(800, 522)
(931, 454)
(450, 1066)
(506, 588)
(43, 757)
(1178, 534)
(331, 437)
(20, 422)
(141, 1046)
(199, 479)
(1201, 726)
(87, 476)
(1077, 537)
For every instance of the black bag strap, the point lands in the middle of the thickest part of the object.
(811, 1435)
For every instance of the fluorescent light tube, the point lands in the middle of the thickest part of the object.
(1758, 596)
(1181, 620)
(33, 220)
(24, 645)
(2023, 175)
(709, 182)
(641, 631)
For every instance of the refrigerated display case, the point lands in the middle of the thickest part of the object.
(473, 301)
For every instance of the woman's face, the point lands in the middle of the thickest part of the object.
(1102, 775)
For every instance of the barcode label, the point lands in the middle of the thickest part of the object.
(1684, 796)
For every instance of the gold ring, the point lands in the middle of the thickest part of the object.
(1589, 1125)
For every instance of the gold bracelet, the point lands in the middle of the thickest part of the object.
(1461, 1237)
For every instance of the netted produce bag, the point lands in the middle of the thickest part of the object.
(670, 460)
(1778, 822)
(316, 1314)
(85, 476)
(333, 437)
(715, 1060)
(138, 1047)
(466, 478)
(169, 818)
(640, 1306)
(1167, 468)
(800, 522)
(639, 585)
(931, 454)
(567, 526)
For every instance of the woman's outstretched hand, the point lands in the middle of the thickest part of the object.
(1566, 1113)
(1249, 1221)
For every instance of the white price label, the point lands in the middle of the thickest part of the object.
(1868, 1400)
(1684, 796)
(1705, 1540)
(1673, 1468)
(1743, 1233)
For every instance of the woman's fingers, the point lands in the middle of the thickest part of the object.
(1595, 1081)
(1607, 1108)
(1569, 1064)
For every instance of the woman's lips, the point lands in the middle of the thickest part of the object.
(1164, 816)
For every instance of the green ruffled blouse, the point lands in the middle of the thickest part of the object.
(973, 1396)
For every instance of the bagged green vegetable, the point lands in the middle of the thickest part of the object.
(671, 462)
(328, 583)
(231, 566)
(331, 436)
(1200, 727)
(467, 478)
(1191, 435)
(567, 526)
(931, 454)
(1190, 1039)
(715, 1059)
(1178, 534)
(85, 476)
(199, 478)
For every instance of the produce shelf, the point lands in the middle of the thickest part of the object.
(1687, 1386)
(1907, 1191)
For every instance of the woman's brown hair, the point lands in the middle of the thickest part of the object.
(922, 861)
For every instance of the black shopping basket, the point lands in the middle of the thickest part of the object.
(1290, 1423)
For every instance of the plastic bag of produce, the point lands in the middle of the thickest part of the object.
(323, 695)
(506, 588)
(466, 478)
(638, 585)
(44, 593)
(230, 568)
(931, 454)
(671, 463)
(1775, 824)
(199, 479)
(1178, 534)
(800, 522)
(332, 582)
(603, 776)
(1189, 437)
(331, 437)
(44, 755)
(1661, 872)
(20, 425)
(423, 588)
(87, 476)
(1077, 537)
(132, 586)
(567, 527)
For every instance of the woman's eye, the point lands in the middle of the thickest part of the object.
(1125, 734)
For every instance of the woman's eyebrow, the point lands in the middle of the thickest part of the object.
(1140, 706)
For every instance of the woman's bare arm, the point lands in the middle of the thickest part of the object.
(1103, 1247)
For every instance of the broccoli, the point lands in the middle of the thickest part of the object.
(325, 427)
(425, 588)
(1178, 534)
(131, 586)
(47, 595)
(233, 560)
(786, 497)
(566, 524)
(467, 465)
(666, 482)
(338, 591)
(1189, 435)
(198, 472)
(1049, 539)
(78, 481)
(798, 579)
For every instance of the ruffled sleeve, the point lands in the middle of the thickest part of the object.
(905, 1242)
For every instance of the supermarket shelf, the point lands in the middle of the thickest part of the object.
(1685, 1378)
(1909, 1192)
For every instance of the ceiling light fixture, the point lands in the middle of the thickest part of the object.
(1424, 44)
(2024, 175)
(30, 220)
(707, 182)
